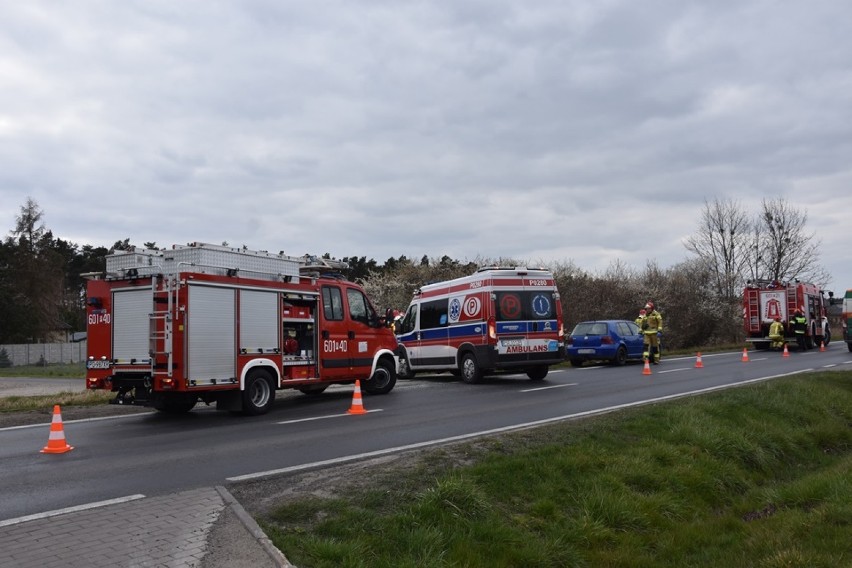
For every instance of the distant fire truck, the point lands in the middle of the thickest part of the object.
(167, 328)
(764, 300)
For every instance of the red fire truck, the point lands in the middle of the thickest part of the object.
(167, 328)
(763, 301)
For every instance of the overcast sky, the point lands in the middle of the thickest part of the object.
(563, 130)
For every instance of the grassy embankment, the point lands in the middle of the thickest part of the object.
(46, 402)
(754, 476)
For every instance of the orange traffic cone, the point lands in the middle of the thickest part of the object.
(822, 345)
(647, 369)
(698, 363)
(56, 443)
(786, 353)
(745, 355)
(357, 406)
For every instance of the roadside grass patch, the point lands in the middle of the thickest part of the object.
(60, 370)
(752, 476)
(46, 402)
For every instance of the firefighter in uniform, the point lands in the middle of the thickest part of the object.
(652, 327)
(776, 334)
(800, 325)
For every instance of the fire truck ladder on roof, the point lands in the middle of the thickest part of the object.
(160, 323)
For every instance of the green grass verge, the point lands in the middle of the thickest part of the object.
(46, 402)
(754, 476)
(62, 371)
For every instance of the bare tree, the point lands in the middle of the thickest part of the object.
(786, 251)
(722, 243)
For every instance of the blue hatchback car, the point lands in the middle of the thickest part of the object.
(616, 341)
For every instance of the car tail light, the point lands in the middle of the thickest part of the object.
(606, 340)
(569, 340)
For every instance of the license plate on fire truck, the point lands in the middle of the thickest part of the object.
(97, 364)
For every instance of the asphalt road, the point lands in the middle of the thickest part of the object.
(155, 454)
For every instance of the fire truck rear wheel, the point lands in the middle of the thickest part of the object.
(177, 403)
(470, 371)
(259, 394)
(382, 380)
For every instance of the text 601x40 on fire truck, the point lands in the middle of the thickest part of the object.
(167, 328)
(497, 319)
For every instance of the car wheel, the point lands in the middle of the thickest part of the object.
(620, 356)
(313, 390)
(577, 362)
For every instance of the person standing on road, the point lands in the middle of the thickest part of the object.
(800, 325)
(640, 321)
(652, 328)
(776, 334)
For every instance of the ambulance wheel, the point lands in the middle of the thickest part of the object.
(382, 380)
(259, 394)
(405, 371)
(470, 371)
(537, 373)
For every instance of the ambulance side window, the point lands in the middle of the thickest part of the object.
(433, 314)
(332, 303)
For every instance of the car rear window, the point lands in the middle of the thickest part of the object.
(590, 328)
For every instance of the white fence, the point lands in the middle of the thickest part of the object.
(45, 353)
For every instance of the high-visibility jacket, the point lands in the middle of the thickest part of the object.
(777, 329)
(653, 323)
(800, 325)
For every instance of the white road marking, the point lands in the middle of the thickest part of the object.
(77, 421)
(428, 443)
(673, 370)
(550, 387)
(75, 509)
(323, 417)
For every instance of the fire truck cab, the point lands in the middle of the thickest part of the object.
(764, 300)
(494, 319)
(167, 328)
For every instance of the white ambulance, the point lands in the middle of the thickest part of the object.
(495, 319)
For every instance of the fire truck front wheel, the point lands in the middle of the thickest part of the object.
(383, 380)
(259, 394)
